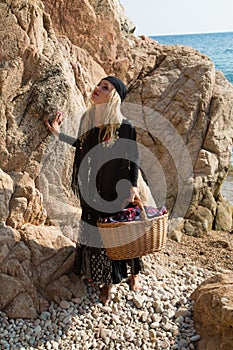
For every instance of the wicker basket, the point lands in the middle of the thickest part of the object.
(127, 240)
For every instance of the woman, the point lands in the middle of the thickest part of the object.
(104, 176)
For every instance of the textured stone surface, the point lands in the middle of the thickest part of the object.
(213, 312)
(26, 204)
(33, 261)
(6, 190)
(185, 92)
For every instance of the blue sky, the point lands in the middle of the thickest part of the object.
(159, 17)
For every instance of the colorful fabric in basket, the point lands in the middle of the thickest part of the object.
(133, 214)
(152, 212)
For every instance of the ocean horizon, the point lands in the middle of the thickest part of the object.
(217, 46)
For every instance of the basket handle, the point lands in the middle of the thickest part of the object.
(143, 213)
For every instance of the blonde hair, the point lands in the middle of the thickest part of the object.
(112, 117)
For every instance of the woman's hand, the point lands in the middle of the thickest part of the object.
(55, 125)
(134, 194)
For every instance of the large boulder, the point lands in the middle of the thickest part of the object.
(213, 312)
(180, 108)
(224, 215)
(180, 105)
(33, 260)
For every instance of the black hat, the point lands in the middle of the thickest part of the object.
(118, 85)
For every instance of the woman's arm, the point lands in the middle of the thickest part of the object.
(134, 166)
(128, 131)
(68, 139)
(134, 194)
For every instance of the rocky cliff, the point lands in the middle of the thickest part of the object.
(51, 56)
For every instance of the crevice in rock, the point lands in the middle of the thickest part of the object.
(208, 119)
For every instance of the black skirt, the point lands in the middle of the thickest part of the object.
(93, 263)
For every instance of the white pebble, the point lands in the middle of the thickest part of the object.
(158, 317)
(138, 300)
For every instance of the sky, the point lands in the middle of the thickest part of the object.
(163, 17)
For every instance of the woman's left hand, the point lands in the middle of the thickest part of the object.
(54, 126)
(134, 194)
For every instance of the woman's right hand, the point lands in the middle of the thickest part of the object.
(55, 125)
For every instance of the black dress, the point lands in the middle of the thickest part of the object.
(102, 176)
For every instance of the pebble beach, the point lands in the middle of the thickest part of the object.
(158, 317)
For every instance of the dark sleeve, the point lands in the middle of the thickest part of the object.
(134, 156)
(68, 139)
(75, 142)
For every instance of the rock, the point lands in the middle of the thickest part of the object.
(22, 306)
(26, 205)
(205, 161)
(158, 307)
(181, 312)
(195, 338)
(35, 263)
(213, 312)
(208, 201)
(105, 333)
(115, 323)
(224, 216)
(125, 55)
(55, 345)
(116, 319)
(37, 330)
(152, 335)
(18, 207)
(64, 304)
(6, 190)
(183, 343)
(138, 301)
(45, 315)
(201, 222)
(176, 235)
(144, 316)
(179, 319)
(155, 325)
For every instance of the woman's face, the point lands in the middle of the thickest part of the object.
(101, 92)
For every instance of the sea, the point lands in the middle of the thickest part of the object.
(219, 48)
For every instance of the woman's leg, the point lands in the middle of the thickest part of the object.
(135, 284)
(105, 293)
(136, 266)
